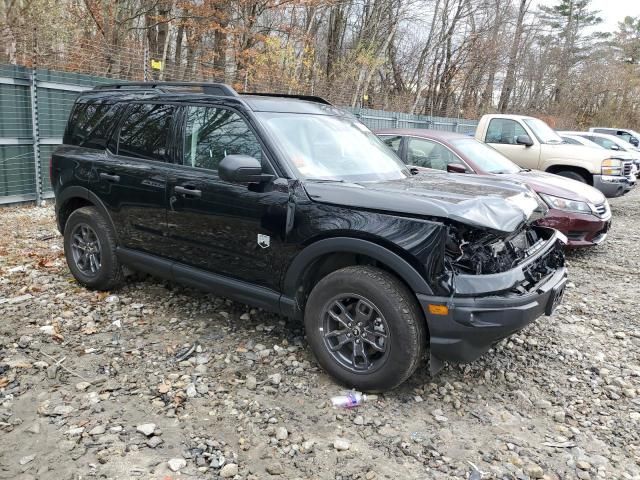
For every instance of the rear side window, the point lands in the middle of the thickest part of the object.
(91, 124)
(571, 141)
(146, 132)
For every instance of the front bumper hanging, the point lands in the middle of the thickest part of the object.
(485, 309)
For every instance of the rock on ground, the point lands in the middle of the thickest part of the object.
(168, 373)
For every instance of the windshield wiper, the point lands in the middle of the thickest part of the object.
(325, 180)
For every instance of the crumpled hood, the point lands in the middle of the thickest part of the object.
(478, 201)
(558, 186)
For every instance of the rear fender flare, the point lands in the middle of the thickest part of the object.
(81, 192)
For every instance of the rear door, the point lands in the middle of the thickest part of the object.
(502, 134)
(225, 228)
(131, 177)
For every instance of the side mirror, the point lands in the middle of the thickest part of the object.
(615, 147)
(242, 169)
(456, 168)
(524, 140)
(634, 141)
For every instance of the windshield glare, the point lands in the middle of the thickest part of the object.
(325, 147)
(486, 158)
(542, 131)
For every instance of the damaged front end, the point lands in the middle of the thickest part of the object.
(495, 284)
(530, 254)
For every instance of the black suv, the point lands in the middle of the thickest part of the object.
(291, 205)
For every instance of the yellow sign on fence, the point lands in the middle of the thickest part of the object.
(156, 64)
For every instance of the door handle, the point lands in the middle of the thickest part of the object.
(109, 177)
(190, 192)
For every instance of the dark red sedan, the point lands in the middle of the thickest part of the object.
(579, 211)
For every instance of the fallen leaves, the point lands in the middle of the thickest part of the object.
(46, 262)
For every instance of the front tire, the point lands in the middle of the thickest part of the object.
(90, 250)
(572, 175)
(365, 328)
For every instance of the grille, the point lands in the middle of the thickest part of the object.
(626, 168)
(539, 269)
(602, 209)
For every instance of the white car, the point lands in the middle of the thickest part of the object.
(609, 142)
(625, 134)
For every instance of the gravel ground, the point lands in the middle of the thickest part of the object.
(159, 381)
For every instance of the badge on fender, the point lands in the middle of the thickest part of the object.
(264, 240)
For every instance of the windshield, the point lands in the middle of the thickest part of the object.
(324, 147)
(486, 158)
(542, 131)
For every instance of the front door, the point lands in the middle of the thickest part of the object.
(425, 153)
(502, 134)
(131, 176)
(225, 228)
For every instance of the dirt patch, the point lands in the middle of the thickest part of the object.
(234, 392)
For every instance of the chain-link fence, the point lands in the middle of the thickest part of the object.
(35, 104)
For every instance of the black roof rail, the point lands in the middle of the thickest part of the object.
(220, 89)
(308, 98)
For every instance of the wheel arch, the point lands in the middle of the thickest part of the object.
(74, 197)
(324, 256)
(584, 172)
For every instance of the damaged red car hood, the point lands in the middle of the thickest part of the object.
(485, 202)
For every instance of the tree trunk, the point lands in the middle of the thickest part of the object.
(510, 76)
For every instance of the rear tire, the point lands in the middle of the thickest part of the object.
(572, 175)
(387, 337)
(90, 250)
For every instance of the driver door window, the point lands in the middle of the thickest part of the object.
(504, 131)
(393, 142)
(213, 133)
(603, 142)
(427, 154)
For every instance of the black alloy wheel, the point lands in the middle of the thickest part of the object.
(86, 250)
(365, 328)
(90, 247)
(355, 333)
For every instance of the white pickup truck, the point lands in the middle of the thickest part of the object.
(531, 143)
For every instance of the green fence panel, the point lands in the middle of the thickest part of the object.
(17, 171)
(56, 93)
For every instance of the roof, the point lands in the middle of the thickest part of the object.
(593, 134)
(264, 103)
(422, 132)
(510, 116)
(212, 92)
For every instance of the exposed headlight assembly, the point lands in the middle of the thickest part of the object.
(560, 203)
(611, 166)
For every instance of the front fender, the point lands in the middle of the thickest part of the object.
(312, 252)
(592, 167)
